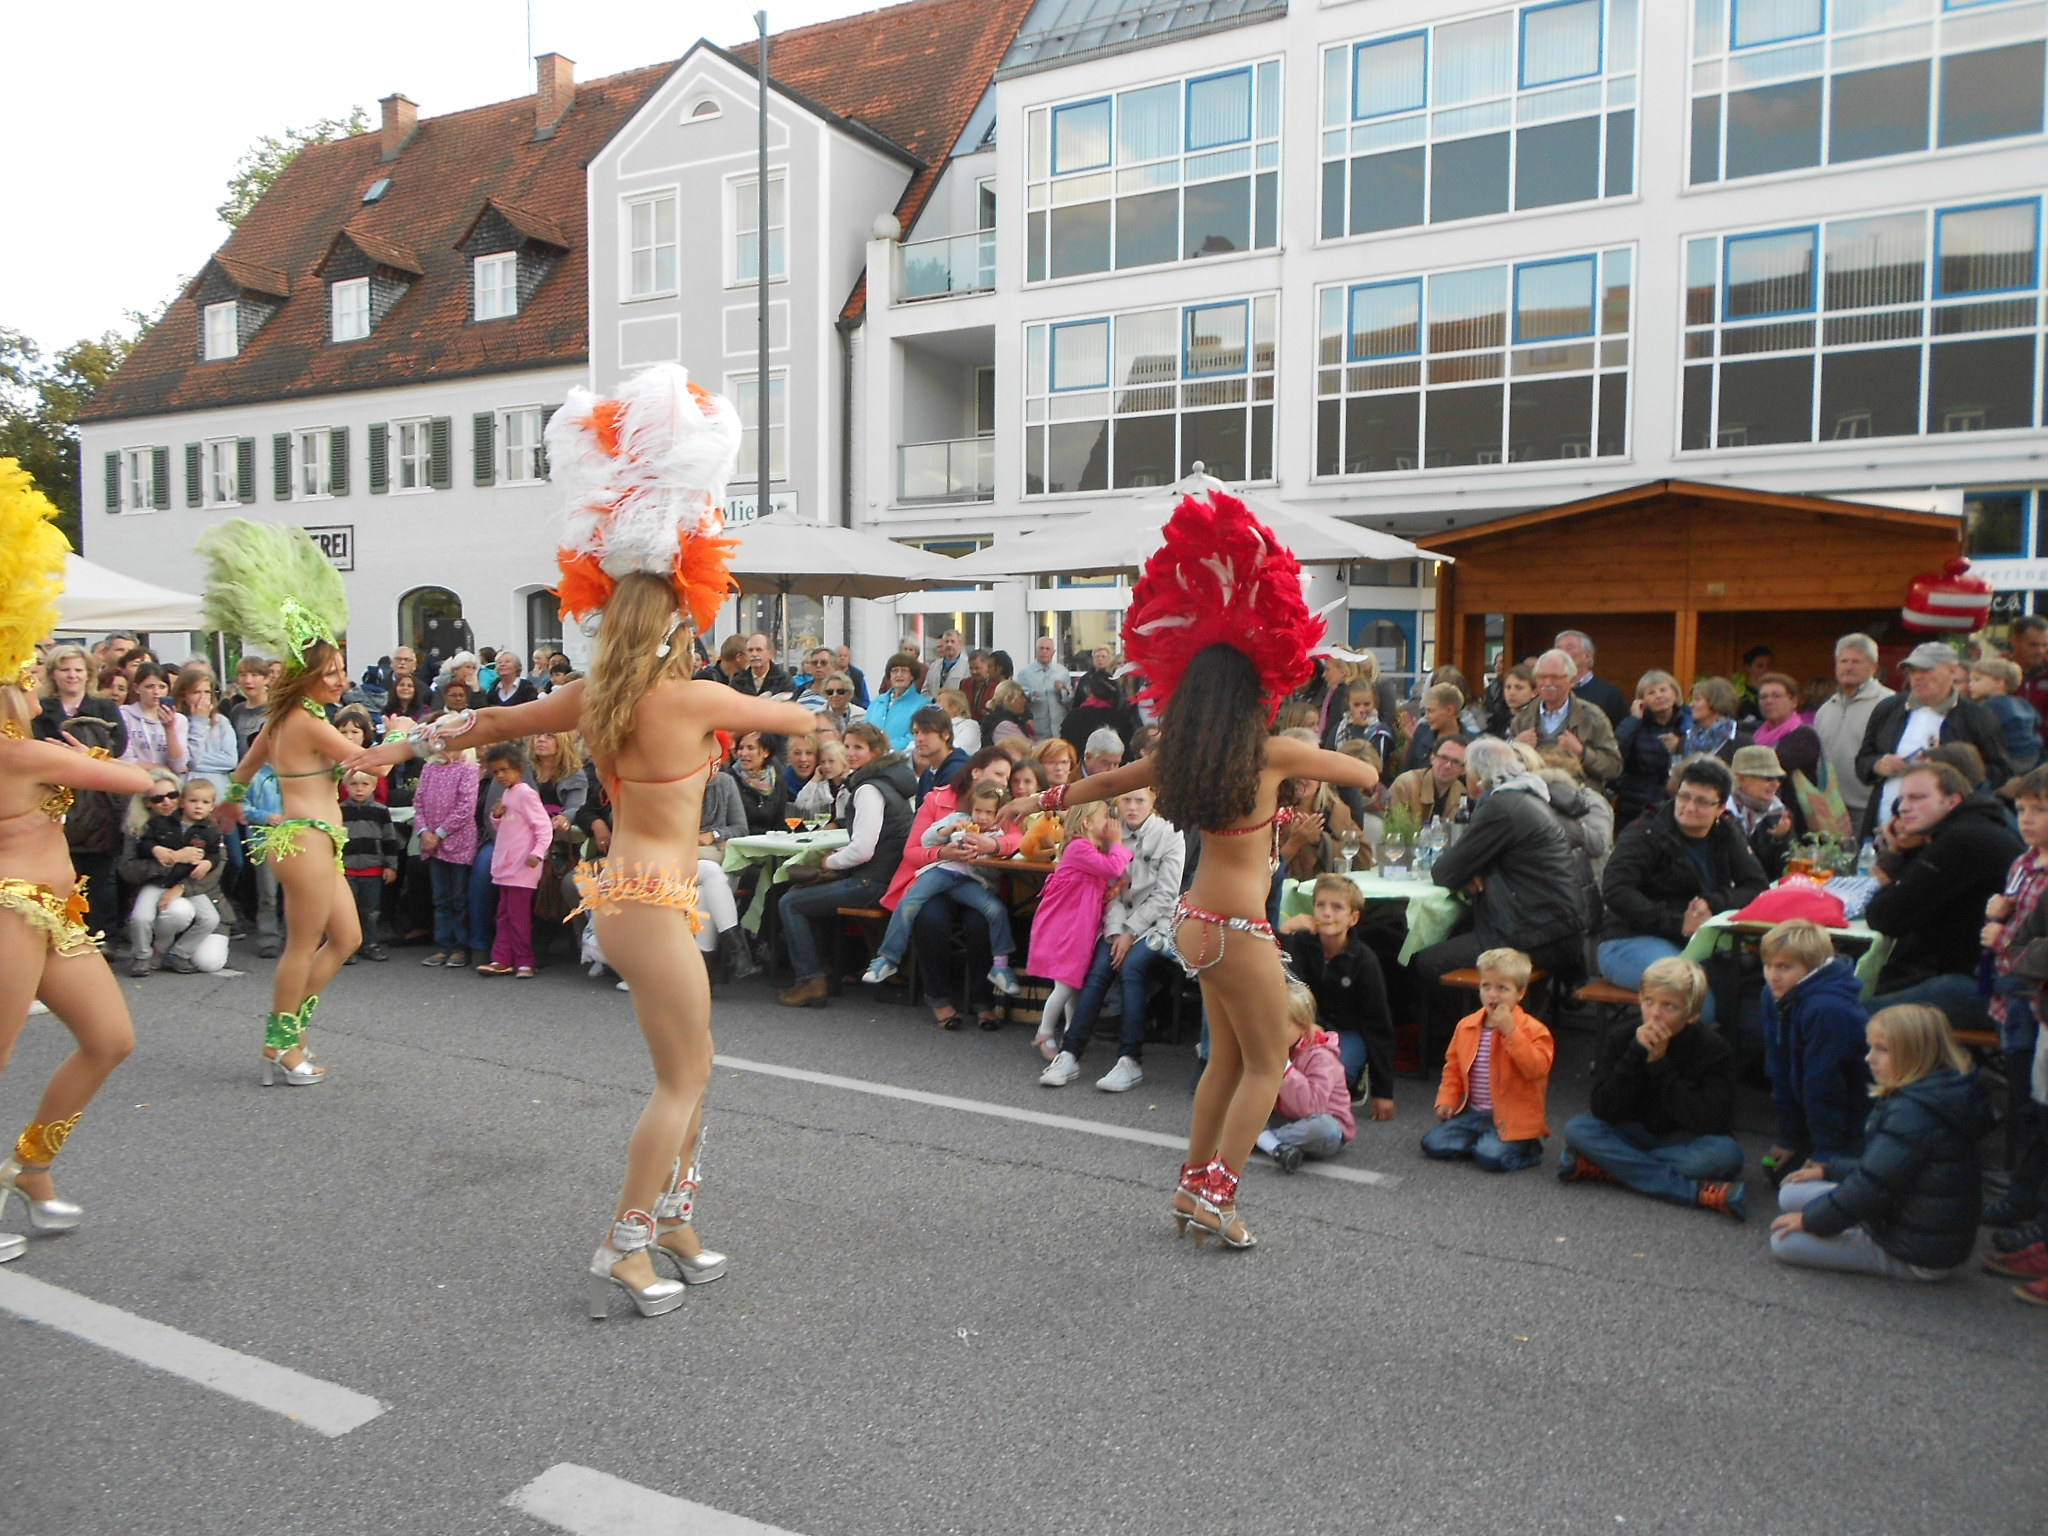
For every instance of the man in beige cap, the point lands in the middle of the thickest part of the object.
(1762, 816)
(1931, 712)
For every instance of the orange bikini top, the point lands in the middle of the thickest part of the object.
(612, 781)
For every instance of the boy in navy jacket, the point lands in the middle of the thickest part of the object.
(1813, 1048)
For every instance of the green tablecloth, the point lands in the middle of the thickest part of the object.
(1716, 930)
(1432, 911)
(778, 851)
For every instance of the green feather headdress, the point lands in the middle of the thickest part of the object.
(270, 583)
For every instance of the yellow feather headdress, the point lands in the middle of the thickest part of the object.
(32, 555)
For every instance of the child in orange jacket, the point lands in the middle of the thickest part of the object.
(1496, 1073)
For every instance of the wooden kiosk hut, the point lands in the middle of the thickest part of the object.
(1685, 576)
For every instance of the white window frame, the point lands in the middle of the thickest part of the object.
(631, 246)
(220, 331)
(138, 479)
(412, 452)
(736, 386)
(741, 198)
(520, 463)
(496, 286)
(218, 462)
(348, 301)
(310, 448)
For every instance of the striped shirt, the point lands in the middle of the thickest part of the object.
(1481, 1082)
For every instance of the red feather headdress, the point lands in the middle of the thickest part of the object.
(1220, 578)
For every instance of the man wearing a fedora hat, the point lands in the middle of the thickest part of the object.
(1762, 817)
(1933, 711)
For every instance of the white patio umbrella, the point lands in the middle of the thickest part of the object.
(96, 598)
(780, 553)
(1121, 534)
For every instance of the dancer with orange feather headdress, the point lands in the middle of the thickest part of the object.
(46, 950)
(1220, 632)
(642, 554)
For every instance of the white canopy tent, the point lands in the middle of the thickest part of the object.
(97, 600)
(1120, 535)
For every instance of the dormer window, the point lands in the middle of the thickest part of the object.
(348, 309)
(497, 286)
(222, 337)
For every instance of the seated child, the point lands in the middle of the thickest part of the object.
(1496, 1075)
(1313, 1109)
(1994, 682)
(1663, 1102)
(1324, 950)
(1908, 1207)
(1813, 1048)
(966, 884)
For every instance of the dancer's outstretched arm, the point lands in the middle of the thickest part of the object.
(1299, 760)
(1097, 786)
(45, 762)
(556, 711)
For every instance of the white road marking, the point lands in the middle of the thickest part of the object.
(592, 1503)
(319, 1405)
(1026, 1116)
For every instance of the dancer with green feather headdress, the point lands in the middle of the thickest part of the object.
(271, 584)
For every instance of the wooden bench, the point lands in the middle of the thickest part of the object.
(1466, 979)
(1605, 994)
(873, 920)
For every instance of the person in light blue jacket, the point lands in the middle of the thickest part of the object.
(891, 709)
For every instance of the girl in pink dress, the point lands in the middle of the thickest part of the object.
(517, 859)
(1069, 916)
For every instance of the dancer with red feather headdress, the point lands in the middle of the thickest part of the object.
(642, 549)
(1219, 631)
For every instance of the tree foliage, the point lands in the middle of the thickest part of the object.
(268, 156)
(41, 398)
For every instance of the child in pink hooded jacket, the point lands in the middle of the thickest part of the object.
(1313, 1109)
(517, 859)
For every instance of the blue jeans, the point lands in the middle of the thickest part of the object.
(1955, 996)
(801, 903)
(1623, 961)
(1317, 1136)
(1667, 1167)
(1133, 975)
(963, 888)
(451, 904)
(483, 904)
(1471, 1133)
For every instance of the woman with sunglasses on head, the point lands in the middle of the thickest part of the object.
(46, 950)
(641, 549)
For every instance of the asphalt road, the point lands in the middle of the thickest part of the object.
(938, 1319)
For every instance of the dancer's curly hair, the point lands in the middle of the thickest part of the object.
(1212, 743)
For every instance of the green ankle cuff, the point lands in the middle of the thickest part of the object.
(281, 1031)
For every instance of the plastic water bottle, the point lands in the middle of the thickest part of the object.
(1866, 858)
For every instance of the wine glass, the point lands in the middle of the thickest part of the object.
(1347, 845)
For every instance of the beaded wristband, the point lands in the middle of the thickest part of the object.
(237, 791)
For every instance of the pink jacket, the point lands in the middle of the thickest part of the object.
(523, 831)
(1069, 916)
(445, 801)
(1314, 1083)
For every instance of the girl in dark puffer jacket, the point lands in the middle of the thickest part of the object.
(1908, 1207)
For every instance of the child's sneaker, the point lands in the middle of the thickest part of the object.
(2027, 1264)
(1288, 1157)
(2013, 1239)
(2035, 1292)
(879, 970)
(1725, 1198)
(1062, 1071)
(1004, 980)
(1574, 1166)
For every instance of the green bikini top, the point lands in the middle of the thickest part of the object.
(312, 773)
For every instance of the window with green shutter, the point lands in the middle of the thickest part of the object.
(281, 466)
(195, 485)
(337, 461)
(380, 458)
(245, 470)
(440, 471)
(113, 482)
(160, 478)
(484, 446)
(541, 456)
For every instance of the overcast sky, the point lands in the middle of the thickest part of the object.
(123, 119)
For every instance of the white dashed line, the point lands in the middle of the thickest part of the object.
(319, 1405)
(1027, 1116)
(591, 1503)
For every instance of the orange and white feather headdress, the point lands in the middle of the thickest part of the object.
(644, 473)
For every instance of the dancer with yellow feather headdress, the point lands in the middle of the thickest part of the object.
(270, 583)
(643, 475)
(45, 948)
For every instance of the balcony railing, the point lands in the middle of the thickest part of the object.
(937, 269)
(961, 470)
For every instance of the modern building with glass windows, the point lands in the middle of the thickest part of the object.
(1422, 264)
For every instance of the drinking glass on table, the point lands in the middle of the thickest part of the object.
(1347, 846)
(793, 822)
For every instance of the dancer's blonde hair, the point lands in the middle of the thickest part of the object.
(639, 618)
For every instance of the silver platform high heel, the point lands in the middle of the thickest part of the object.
(284, 1033)
(34, 1152)
(12, 1246)
(631, 1233)
(676, 1208)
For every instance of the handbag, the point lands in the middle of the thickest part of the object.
(814, 874)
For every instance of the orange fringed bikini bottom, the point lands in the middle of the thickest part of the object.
(604, 889)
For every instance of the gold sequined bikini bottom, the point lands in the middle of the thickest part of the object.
(59, 919)
(605, 888)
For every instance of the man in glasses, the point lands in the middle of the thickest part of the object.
(1436, 791)
(817, 667)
